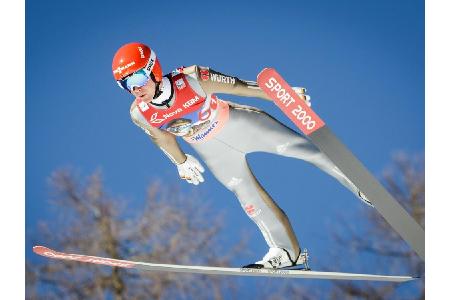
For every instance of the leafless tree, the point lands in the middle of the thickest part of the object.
(168, 228)
(172, 228)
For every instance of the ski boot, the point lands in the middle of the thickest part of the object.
(279, 258)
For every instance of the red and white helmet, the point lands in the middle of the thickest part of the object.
(133, 57)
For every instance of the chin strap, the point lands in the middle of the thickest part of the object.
(158, 93)
(157, 89)
(164, 103)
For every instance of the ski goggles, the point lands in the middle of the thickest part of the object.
(137, 79)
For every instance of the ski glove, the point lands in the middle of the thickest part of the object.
(301, 92)
(191, 170)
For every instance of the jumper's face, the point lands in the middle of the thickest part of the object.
(145, 92)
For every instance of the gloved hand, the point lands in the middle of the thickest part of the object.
(191, 170)
(302, 93)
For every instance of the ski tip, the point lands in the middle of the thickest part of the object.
(41, 250)
(265, 70)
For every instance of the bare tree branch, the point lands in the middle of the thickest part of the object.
(170, 228)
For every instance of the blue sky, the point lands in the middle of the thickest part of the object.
(362, 62)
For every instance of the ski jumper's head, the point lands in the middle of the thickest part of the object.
(137, 69)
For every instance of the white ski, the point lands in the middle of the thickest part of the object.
(144, 266)
(320, 134)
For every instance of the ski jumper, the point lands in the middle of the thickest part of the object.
(223, 133)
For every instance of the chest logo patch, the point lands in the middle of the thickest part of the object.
(180, 84)
(143, 106)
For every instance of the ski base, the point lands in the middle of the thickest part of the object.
(145, 266)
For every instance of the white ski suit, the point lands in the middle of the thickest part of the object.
(223, 133)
